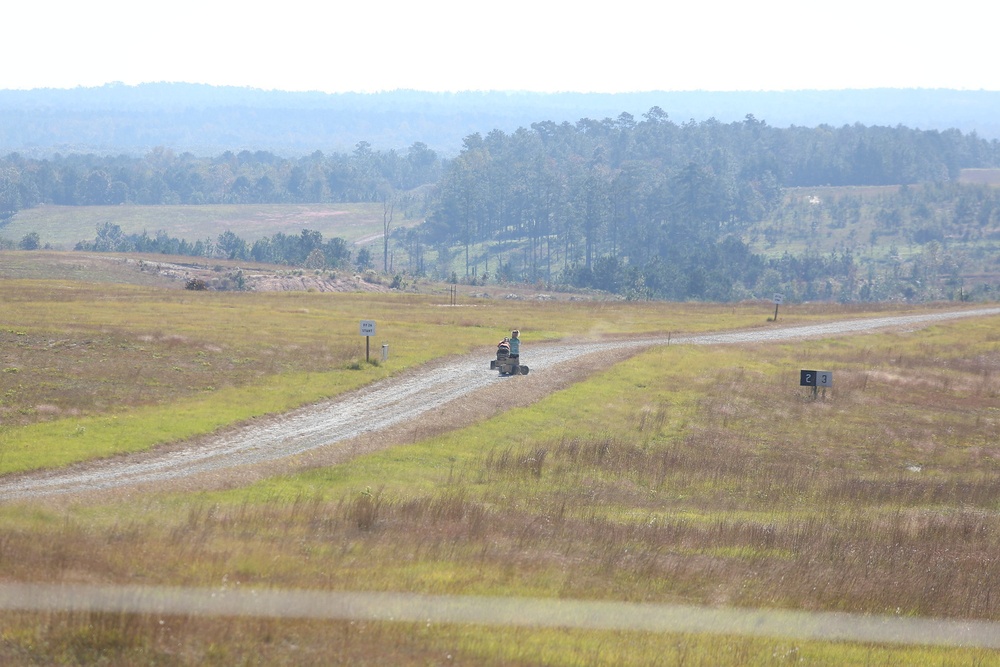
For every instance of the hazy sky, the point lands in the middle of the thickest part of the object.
(446, 45)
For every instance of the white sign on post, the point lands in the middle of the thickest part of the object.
(778, 298)
(367, 327)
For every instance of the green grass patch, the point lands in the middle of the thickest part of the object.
(62, 442)
(64, 226)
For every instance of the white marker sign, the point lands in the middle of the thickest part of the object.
(367, 327)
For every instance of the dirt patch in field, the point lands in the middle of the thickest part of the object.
(264, 282)
(980, 176)
(231, 276)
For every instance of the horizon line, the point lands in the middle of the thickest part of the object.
(506, 91)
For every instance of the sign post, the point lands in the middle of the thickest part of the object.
(816, 379)
(367, 330)
(778, 298)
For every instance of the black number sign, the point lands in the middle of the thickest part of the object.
(815, 379)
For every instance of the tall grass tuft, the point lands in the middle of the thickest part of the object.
(364, 510)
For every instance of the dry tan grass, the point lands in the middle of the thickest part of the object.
(711, 478)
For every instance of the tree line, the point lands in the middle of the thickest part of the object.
(643, 207)
(259, 177)
(308, 249)
(658, 209)
(790, 157)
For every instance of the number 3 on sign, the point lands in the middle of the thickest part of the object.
(815, 379)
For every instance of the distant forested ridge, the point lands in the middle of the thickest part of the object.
(164, 177)
(207, 120)
(646, 207)
(746, 152)
(658, 209)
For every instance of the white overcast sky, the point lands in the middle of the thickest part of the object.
(547, 46)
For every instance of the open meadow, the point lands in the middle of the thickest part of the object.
(687, 475)
(62, 227)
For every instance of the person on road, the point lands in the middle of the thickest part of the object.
(515, 346)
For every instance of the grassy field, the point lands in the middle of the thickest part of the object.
(888, 234)
(102, 360)
(684, 475)
(63, 227)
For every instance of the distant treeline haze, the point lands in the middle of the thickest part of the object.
(308, 249)
(648, 208)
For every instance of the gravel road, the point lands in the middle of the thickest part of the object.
(419, 402)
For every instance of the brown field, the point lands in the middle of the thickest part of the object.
(688, 474)
(980, 176)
